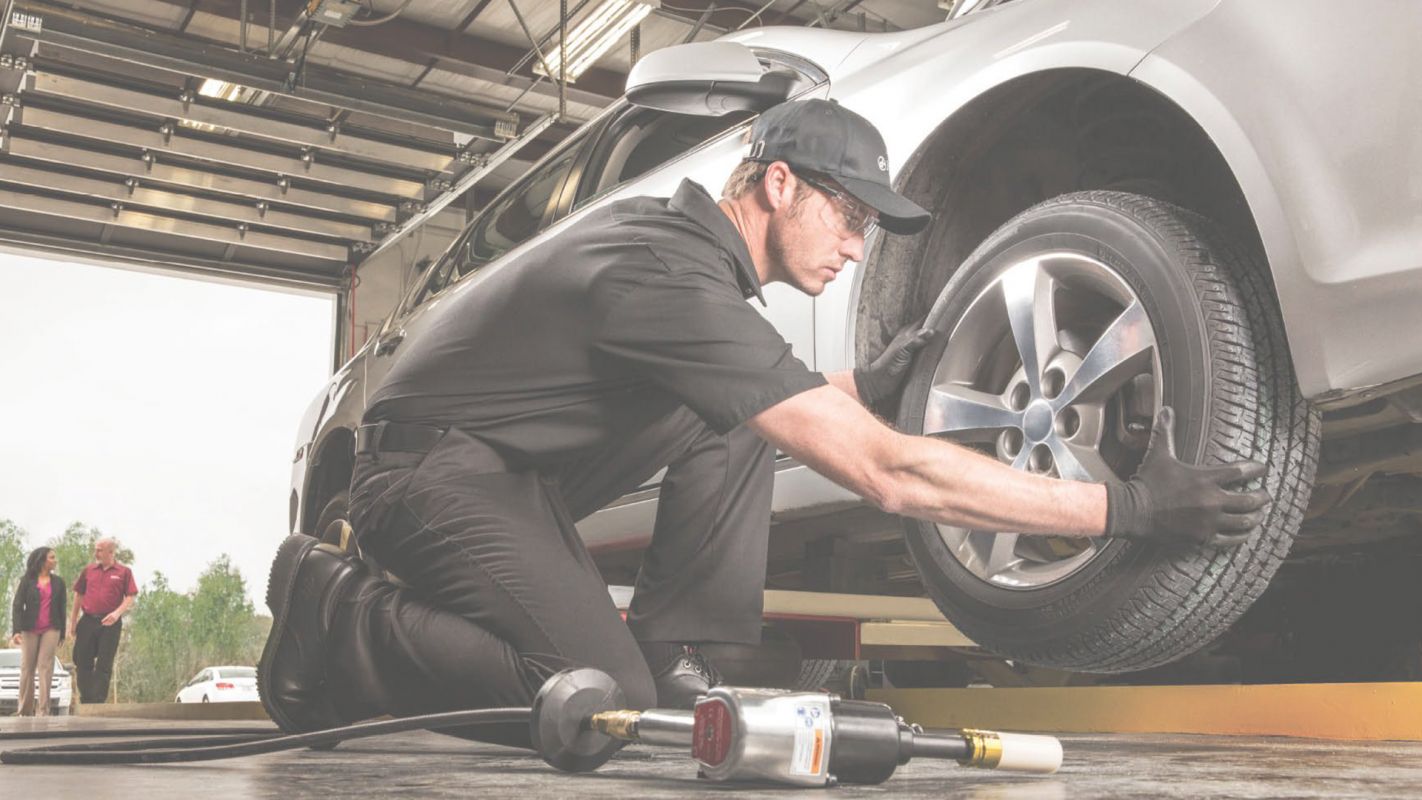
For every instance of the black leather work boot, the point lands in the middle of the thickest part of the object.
(307, 578)
(681, 672)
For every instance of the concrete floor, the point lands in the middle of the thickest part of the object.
(429, 765)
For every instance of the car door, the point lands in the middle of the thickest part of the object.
(516, 215)
(190, 692)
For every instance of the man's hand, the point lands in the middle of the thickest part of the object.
(111, 618)
(1169, 500)
(70, 634)
(15, 640)
(887, 373)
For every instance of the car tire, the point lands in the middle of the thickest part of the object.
(338, 507)
(1113, 268)
(204, 698)
(814, 674)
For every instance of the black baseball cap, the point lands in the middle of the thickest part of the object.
(824, 137)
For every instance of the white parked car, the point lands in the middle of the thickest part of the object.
(60, 691)
(221, 685)
(1210, 204)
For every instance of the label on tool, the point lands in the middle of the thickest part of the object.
(711, 732)
(811, 752)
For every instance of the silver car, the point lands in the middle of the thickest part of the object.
(1208, 203)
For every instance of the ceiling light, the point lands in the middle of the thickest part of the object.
(222, 90)
(597, 33)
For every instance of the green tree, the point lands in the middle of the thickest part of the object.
(12, 562)
(158, 655)
(171, 635)
(74, 549)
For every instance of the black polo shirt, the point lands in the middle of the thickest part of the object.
(630, 312)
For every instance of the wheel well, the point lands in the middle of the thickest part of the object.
(1028, 140)
(331, 474)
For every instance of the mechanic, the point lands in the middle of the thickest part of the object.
(568, 375)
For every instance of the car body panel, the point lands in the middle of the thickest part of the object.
(1336, 204)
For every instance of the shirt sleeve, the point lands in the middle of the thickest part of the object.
(81, 583)
(694, 336)
(132, 585)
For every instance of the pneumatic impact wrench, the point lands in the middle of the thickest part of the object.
(800, 738)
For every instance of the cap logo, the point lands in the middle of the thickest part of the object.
(883, 164)
(757, 149)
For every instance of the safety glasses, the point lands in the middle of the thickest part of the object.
(848, 217)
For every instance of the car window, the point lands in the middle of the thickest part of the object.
(238, 672)
(642, 139)
(517, 216)
(513, 219)
(639, 140)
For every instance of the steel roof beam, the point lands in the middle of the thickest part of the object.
(186, 56)
(177, 143)
(233, 119)
(21, 145)
(128, 218)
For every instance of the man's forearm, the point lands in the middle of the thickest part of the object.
(922, 477)
(125, 605)
(74, 609)
(844, 381)
(943, 482)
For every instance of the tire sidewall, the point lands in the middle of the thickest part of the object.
(1149, 266)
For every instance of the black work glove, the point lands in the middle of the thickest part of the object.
(1169, 500)
(887, 373)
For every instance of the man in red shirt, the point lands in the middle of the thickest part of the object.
(103, 593)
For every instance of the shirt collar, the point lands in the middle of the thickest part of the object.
(698, 205)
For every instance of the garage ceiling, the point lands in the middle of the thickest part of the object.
(289, 149)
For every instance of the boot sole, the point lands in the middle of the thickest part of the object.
(280, 585)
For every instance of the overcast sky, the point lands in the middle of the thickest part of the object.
(161, 410)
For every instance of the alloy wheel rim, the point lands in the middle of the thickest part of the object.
(1053, 368)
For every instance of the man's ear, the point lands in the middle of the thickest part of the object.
(778, 186)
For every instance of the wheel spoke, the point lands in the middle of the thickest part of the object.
(1120, 354)
(959, 410)
(1030, 296)
(1002, 554)
(1080, 463)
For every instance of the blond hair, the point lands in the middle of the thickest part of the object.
(748, 174)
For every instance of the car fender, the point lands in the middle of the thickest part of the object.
(971, 57)
(1322, 140)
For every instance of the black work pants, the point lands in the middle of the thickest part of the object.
(501, 591)
(95, 645)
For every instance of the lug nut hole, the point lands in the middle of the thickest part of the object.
(1068, 423)
(1041, 459)
(1053, 382)
(1019, 397)
(1009, 443)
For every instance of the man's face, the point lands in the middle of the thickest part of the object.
(104, 553)
(808, 242)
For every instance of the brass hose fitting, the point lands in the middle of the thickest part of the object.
(984, 749)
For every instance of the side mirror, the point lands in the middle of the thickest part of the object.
(706, 79)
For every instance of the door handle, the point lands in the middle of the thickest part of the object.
(387, 345)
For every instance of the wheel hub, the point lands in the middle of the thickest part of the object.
(1037, 422)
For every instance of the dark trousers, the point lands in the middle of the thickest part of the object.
(95, 645)
(501, 591)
